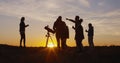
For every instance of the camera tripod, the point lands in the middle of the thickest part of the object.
(48, 36)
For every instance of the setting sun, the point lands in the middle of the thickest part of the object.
(101, 13)
(51, 45)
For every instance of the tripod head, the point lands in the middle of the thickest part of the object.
(48, 29)
(48, 34)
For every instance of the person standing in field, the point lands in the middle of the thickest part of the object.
(61, 31)
(22, 31)
(79, 35)
(90, 32)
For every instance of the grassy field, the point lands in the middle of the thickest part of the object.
(103, 54)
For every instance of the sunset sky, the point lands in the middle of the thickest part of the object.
(103, 14)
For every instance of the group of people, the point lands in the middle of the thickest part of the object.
(79, 33)
(62, 32)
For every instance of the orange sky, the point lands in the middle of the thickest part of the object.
(103, 14)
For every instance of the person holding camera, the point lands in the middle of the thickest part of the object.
(79, 35)
(22, 31)
(61, 31)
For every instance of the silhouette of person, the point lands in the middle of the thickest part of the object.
(22, 31)
(90, 32)
(66, 33)
(79, 35)
(61, 30)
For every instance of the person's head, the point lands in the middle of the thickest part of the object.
(77, 18)
(60, 18)
(80, 21)
(22, 19)
(90, 25)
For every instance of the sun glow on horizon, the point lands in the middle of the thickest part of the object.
(50, 45)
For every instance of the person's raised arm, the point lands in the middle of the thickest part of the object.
(27, 25)
(71, 20)
(73, 27)
(86, 30)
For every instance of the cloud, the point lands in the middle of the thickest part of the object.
(43, 10)
(101, 3)
(114, 13)
(85, 3)
(40, 10)
(34, 9)
(105, 23)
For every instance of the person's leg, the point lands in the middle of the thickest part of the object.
(91, 41)
(24, 38)
(79, 45)
(63, 42)
(21, 41)
(58, 42)
(21, 35)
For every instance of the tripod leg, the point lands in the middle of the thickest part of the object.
(52, 40)
(47, 41)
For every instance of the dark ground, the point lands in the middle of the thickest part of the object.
(13, 54)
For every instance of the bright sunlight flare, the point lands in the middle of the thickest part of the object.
(51, 45)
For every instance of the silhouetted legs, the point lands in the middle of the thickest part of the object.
(58, 42)
(90, 41)
(22, 34)
(79, 45)
(63, 43)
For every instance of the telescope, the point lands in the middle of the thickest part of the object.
(48, 34)
(48, 29)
